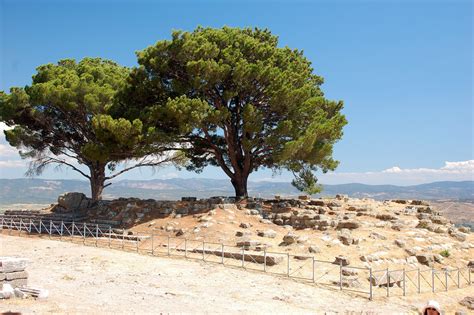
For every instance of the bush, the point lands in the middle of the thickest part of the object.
(445, 253)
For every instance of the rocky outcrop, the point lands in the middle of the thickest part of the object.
(425, 259)
(341, 260)
(290, 238)
(348, 224)
(267, 233)
(73, 201)
(468, 302)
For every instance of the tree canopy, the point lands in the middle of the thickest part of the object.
(236, 100)
(63, 118)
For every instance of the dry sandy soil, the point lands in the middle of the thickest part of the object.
(89, 280)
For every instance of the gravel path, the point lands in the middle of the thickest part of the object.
(85, 279)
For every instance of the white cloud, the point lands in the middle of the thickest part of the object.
(7, 150)
(451, 171)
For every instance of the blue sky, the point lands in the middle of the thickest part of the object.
(403, 69)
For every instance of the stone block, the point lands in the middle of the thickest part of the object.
(344, 261)
(16, 275)
(15, 283)
(12, 264)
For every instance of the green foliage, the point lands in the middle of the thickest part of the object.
(445, 253)
(306, 181)
(55, 112)
(237, 101)
(64, 114)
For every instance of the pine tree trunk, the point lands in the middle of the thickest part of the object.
(240, 187)
(97, 180)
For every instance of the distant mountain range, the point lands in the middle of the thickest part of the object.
(43, 191)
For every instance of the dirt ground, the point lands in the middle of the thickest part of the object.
(89, 280)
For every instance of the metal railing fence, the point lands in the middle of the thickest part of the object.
(363, 280)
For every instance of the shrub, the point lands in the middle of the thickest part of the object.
(445, 253)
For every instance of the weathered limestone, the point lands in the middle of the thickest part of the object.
(385, 217)
(390, 279)
(243, 233)
(437, 219)
(377, 236)
(425, 259)
(345, 237)
(73, 201)
(248, 244)
(12, 264)
(468, 302)
(12, 271)
(348, 282)
(400, 243)
(343, 260)
(412, 260)
(290, 238)
(459, 236)
(349, 224)
(267, 233)
(349, 272)
(314, 249)
(259, 258)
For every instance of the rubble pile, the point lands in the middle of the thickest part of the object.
(14, 280)
(12, 271)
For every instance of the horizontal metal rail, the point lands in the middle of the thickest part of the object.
(215, 252)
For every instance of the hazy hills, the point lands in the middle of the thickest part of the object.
(46, 191)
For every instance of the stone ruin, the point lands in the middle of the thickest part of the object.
(14, 279)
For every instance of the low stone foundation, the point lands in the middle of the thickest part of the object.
(12, 271)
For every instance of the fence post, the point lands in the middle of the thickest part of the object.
(340, 275)
(419, 281)
(137, 240)
(110, 235)
(288, 269)
(31, 221)
(73, 227)
(21, 223)
(222, 253)
(265, 259)
(11, 227)
(61, 231)
(96, 234)
(153, 243)
(432, 279)
(84, 233)
(370, 283)
(186, 248)
(243, 257)
(41, 223)
(169, 245)
(50, 228)
(446, 279)
(388, 282)
(404, 281)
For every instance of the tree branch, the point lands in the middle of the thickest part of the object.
(140, 164)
